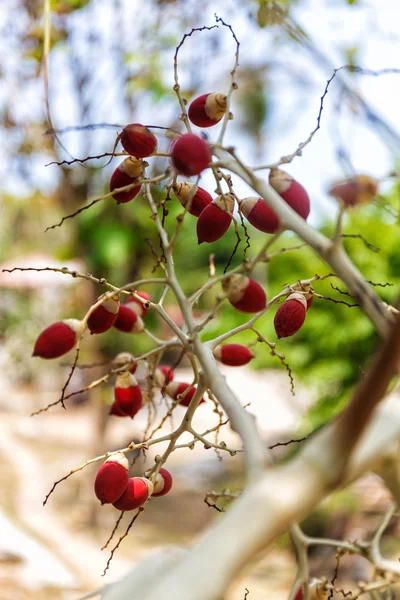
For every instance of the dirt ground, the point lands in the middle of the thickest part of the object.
(54, 551)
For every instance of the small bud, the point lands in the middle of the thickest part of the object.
(127, 394)
(125, 358)
(138, 140)
(360, 189)
(215, 219)
(140, 308)
(162, 483)
(125, 174)
(291, 191)
(104, 316)
(163, 374)
(244, 293)
(234, 355)
(259, 214)
(190, 154)
(57, 339)
(207, 110)
(177, 388)
(112, 478)
(192, 197)
(291, 315)
(137, 492)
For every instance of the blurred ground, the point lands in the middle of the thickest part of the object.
(54, 551)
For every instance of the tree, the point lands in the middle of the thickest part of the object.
(365, 434)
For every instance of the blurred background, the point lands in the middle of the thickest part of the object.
(111, 63)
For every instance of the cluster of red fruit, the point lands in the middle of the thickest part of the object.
(190, 155)
(114, 486)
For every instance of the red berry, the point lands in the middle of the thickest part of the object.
(104, 316)
(192, 197)
(163, 374)
(215, 219)
(244, 293)
(116, 411)
(259, 214)
(190, 154)
(57, 339)
(207, 110)
(112, 479)
(162, 483)
(360, 189)
(127, 394)
(234, 355)
(126, 173)
(291, 191)
(291, 315)
(177, 388)
(137, 492)
(138, 140)
(128, 320)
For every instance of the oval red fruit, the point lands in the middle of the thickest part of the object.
(127, 173)
(138, 140)
(127, 394)
(207, 110)
(104, 316)
(244, 293)
(360, 189)
(290, 316)
(163, 482)
(215, 219)
(190, 154)
(57, 339)
(137, 492)
(234, 355)
(192, 197)
(163, 374)
(177, 388)
(116, 411)
(112, 479)
(291, 191)
(259, 214)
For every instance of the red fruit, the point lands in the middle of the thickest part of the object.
(291, 315)
(163, 374)
(259, 214)
(127, 394)
(125, 358)
(104, 316)
(140, 308)
(116, 411)
(126, 173)
(190, 154)
(244, 293)
(138, 140)
(234, 355)
(137, 492)
(177, 388)
(162, 483)
(57, 339)
(310, 300)
(112, 479)
(208, 109)
(127, 320)
(360, 189)
(192, 197)
(291, 191)
(215, 219)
